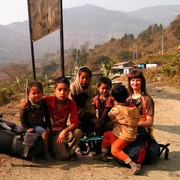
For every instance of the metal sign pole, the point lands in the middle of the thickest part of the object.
(31, 43)
(61, 40)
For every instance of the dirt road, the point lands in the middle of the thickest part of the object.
(166, 129)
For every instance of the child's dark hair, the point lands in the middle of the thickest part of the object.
(61, 80)
(119, 93)
(85, 69)
(105, 80)
(34, 84)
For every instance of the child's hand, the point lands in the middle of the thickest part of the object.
(95, 120)
(30, 130)
(81, 113)
(61, 138)
(98, 125)
(24, 103)
(48, 130)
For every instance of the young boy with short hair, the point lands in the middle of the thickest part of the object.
(103, 103)
(126, 117)
(35, 117)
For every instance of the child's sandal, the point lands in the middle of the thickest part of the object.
(136, 168)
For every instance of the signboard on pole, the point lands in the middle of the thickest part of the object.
(44, 17)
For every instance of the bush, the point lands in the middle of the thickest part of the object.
(3, 98)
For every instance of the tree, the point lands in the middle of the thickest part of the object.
(146, 34)
(14, 71)
(112, 39)
(49, 69)
(128, 37)
(176, 32)
(125, 56)
(105, 65)
(125, 36)
(83, 54)
(14, 76)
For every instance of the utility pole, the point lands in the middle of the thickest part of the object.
(135, 52)
(61, 40)
(76, 59)
(162, 52)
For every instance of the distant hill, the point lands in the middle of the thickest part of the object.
(158, 14)
(96, 25)
(152, 45)
(82, 24)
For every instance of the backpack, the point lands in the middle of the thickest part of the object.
(137, 149)
(145, 150)
(154, 151)
(11, 141)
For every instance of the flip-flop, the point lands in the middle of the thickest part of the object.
(136, 169)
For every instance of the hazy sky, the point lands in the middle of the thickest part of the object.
(16, 10)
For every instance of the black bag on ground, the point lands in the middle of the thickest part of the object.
(4, 124)
(137, 149)
(145, 150)
(154, 151)
(30, 138)
(11, 141)
(10, 144)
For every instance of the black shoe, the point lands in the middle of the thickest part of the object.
(73, 157)
(82, 146)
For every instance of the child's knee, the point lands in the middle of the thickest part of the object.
(114, 151)
(45, 135)
(77, 133)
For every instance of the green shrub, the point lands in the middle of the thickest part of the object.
(3, 98)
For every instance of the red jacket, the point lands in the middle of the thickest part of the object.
(59, 119)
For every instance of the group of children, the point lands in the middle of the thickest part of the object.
(73, 111)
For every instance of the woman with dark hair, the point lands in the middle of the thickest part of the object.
(142, 100)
